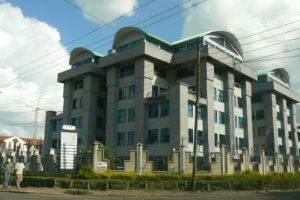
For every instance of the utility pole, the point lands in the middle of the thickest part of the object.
(196, 119)
(36, 113)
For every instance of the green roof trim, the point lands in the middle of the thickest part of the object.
(157, 38)
(198, 36)
(97, 54)
(264, 71)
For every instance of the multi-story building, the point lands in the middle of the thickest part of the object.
(274, 113)
(143, 91)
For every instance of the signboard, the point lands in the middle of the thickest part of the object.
(68, 150)
(102, 164)
(69, 127)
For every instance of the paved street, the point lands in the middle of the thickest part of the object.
(157, 195)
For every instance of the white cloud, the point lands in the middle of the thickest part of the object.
(23, 40)
(247, 17)
(106, 10)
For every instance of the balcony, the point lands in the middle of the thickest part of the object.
(156, 96)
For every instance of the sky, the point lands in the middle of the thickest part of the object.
(36, 38)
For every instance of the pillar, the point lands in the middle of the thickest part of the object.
(269, 101)
(247, 113)
(139, 158)
(206, 87)
(284, 127)
(229, 110)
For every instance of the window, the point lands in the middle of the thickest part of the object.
(291, 135)
(240, 102)
(77, 121)
(99, 122)
(122, 47)
(153, 110)
(74, 103)
(200, 139)
(164, 109)
(222, 139)
(152, 136)
(131, 138)
(122, 115)
(221, 96)
(280, 132)
(242, 142)
(127, 71)
(191, 135)
(100, 102)
(78, 84)
(216, 140)
(155, 90)
(131, 114)
(56, 124)
(190, 110)
(215, 94)
(201, 112)
(221, 117)
(216, 116)
(122, 93)
(260, 114)
(74, 121)
(121, 139)
(132, 91)
(165, 135)
(241, 122)
(280, 149)
(77, 103)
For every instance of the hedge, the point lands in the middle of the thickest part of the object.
(118, 181)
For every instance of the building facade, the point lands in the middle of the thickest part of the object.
(274, 114)
(143, 91)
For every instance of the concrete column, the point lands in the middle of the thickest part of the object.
(247, 113)
(139, 158)
(89, 113)
(112, 99)
(294, 130)
(263, 163)
(229, 110)
(48, 131)
(95, 150)
(181, 159)
(178, 95)
(144, 73)
(67, 107)
(284, 128)
(206, 87)
(269, 101)
(223, 159)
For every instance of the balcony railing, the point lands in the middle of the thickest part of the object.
(156, 96)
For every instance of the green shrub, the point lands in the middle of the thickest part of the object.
(86, 172)
(38, 182)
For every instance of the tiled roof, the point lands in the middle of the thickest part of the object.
(27, 140)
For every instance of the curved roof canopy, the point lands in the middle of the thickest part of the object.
(125, 30)
(77, 51)
(230, 37)
(280, 73)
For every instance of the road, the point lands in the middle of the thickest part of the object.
(278, 195)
